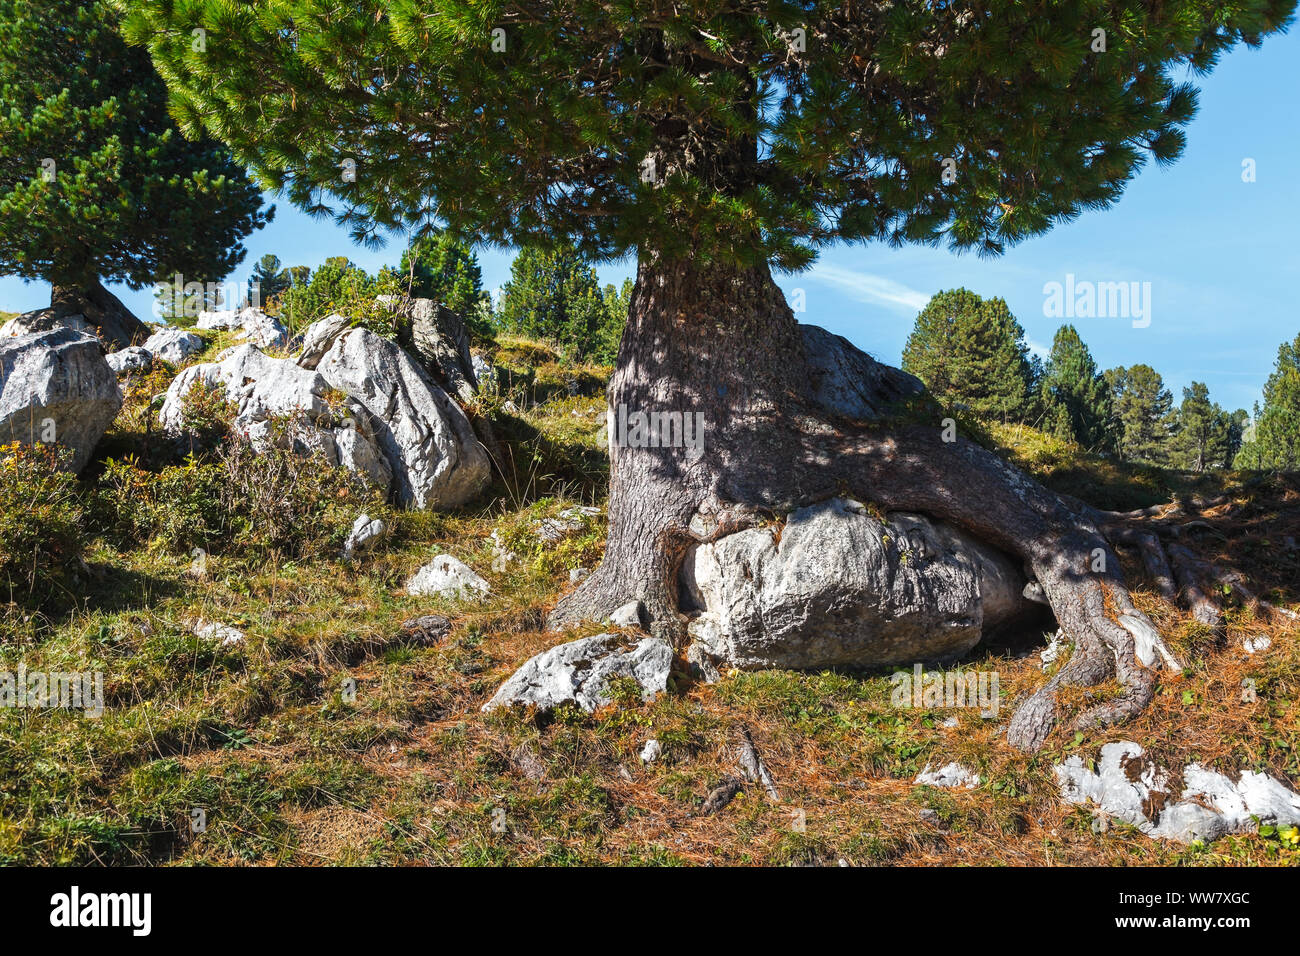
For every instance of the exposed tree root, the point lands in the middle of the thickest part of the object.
(724, 345)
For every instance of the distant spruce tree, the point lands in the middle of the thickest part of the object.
(1075, 395)
(971, 351)
(1275, 436)
(445, 269)
(1143, 410)
(554, 294)
(269, 281)
(1206, 436)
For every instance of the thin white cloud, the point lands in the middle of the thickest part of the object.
(871, 288)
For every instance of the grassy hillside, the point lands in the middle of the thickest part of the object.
(263, 738)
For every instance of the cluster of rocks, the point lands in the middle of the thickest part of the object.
(1194, 804)
(1127, 785)
(358, 400)
(355, 398)
(168, 344)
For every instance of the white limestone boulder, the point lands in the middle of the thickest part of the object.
(580, 672)
(836, 587)
(436, 459)
(57, 387)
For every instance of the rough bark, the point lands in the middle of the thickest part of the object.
(721, 342)
(114, 323)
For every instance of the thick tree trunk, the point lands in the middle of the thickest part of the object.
(115, 324)
(721, 344)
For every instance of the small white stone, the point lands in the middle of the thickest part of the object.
(950, 775)
(365, 531)
(629, 615)
(651, 751)
(445, 576)
(223, 634)
(1261, 643)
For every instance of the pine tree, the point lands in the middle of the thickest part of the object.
(1275, 442)
(96, 182)
(269, 281)
(1075, 394)
(971, 351)
(553, 294)
(1205, 435)
(1143, 410)
(443, 268)
(715, 142)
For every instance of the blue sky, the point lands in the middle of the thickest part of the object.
(1220, 254)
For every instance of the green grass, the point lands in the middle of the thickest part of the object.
(287, 767)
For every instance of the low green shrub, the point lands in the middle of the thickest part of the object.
(278, 501)
(42, 526)
(175, 509)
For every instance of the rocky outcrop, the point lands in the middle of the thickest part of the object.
(436, 458)
(251, 323)
(437, 337)
(173, 345)
(263, 389)
(849, 382)
(391, 424)
(1207, 804)
(580, 672)
(56, 386)
(836, 587)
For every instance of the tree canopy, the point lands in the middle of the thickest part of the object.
(742, 131)
(96, 181)
(1143, 410)
(1075, 393)
(971, 350)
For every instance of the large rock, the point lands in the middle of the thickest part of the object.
(393, 425)
(253, 325)
(838, 588)
(318, 338)
(173, 345)
(57, 385)
(129, 360)
(263, 389)
(436, 459)
(438, 338)
(1128, 786)
(850, 383)
(580, 672)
